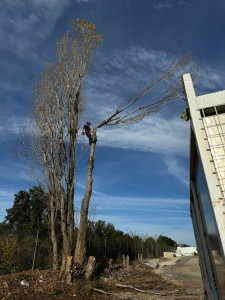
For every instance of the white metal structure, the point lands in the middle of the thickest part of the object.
(207, 185)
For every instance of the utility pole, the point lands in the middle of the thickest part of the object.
(35, 249)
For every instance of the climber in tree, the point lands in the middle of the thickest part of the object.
(87, 131)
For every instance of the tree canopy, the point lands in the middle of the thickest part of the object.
(28, 213)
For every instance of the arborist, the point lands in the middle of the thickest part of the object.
(87, 131)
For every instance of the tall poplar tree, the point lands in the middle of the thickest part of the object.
(50, 141)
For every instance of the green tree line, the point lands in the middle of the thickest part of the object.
(25, 237)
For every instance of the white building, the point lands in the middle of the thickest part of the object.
(207, 185)
(187, 251)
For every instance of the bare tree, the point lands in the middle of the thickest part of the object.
(57, 104)
(163, 89)
(37, 143)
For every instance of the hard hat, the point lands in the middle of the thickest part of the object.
(88, 122)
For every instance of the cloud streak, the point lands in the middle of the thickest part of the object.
(150, 216)
(155, 135)
(121, 72)
(84, 1)
(10, 127)
(162, 5)
(176, 168)
(6, 200)
(210, 80)
(110, 202)
(14, 172)
(32, 22)
(181, 234)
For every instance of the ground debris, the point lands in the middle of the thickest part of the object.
(136, 283)
(142, 283)
(146, 291)
(25, 283)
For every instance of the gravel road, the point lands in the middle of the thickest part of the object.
(184, 268)
(184, 272)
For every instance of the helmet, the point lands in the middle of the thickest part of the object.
(88, 122)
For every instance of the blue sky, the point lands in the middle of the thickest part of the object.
(141, 171)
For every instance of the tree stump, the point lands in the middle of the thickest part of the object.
(90, 267)
(110, 265)
(124, 260)
(127, 261)
(140, 257)
(68, 276)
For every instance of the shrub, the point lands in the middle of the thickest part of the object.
(9, 255)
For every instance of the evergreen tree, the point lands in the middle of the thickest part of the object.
(26, 220)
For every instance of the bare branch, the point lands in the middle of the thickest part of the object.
(165, 88)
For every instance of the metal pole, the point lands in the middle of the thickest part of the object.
(35, 250)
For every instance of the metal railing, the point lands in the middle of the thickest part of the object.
(214, 127)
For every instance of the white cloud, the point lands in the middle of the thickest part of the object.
(210, 79)
(6, 201)
(12, 171)
(140, 203)
(9, 87)
(23, 24)
(162, 5)
(5, 195)
(125, 203)
(145, 215)
(94, 192)
(176, 169)
(185, 3)
(129, 224)
(11, 127)
(84, 1)
(119, 74)
(166, 216)
(151, 135)
(136, 66)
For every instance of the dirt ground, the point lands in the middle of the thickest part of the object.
(178, 278)
(172, 280)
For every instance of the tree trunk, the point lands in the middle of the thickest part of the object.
(124, 260)
(67, 248)
(72, 169)
(140, 257)
(68, 270)
(82, 232)
(80, 251)
(53, 236)
(67, 203)
(128, 261)
(110, 265)
(90, 267)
